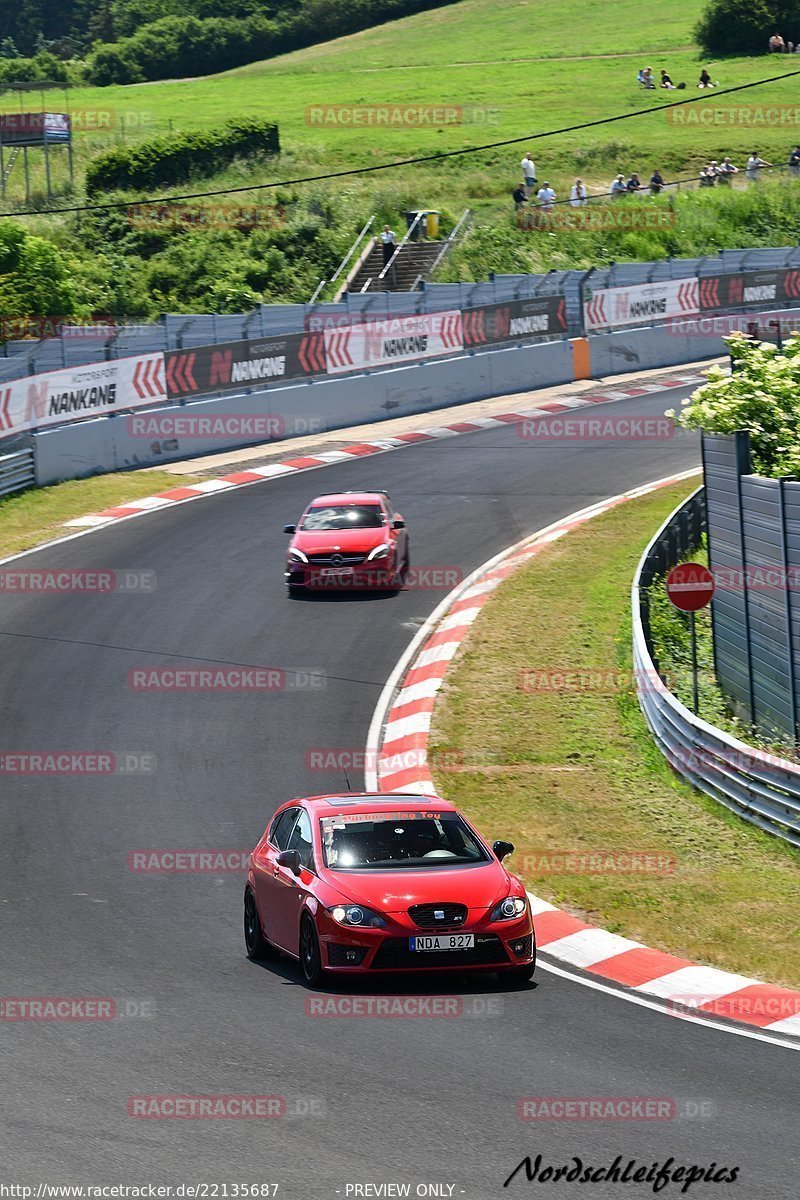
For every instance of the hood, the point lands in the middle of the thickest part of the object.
(312, 541)
(395, 891)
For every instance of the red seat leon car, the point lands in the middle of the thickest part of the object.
(365, 883)
(346, 541)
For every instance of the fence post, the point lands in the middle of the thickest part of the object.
(710, 557)
(788, 609)
(742, 446)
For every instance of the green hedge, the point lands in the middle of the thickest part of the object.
(178, 46)
(744, 27)
(179, 157)
(44, 68)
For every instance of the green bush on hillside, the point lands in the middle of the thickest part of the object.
(42, 68)
(35, 277)
(179, 157)
(182, 45)
(732, 27)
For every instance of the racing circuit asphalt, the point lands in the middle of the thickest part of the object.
(405, 1100)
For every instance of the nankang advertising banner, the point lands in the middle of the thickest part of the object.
(95, 390)
(749, 287)
(493, 324)
(238, 365)
(640, 304)
(393, 340)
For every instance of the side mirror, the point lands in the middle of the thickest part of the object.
(503, 849)
(289, 859)
(398, 523)
(290, 529)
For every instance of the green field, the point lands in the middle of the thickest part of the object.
(507, 62)
(505, 70)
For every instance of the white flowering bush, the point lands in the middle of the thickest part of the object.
(761, 395)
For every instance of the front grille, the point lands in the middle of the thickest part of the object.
(337, 955)
(394, 955)
(424, 915)
(342, 559)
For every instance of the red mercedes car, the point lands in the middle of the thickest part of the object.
(371, 883)
(348, 540)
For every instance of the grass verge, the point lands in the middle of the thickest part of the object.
(37, 515)
(563, 771)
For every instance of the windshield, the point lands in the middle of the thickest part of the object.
(389, 841)
(344, 516)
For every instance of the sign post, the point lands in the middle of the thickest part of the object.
(690, 587)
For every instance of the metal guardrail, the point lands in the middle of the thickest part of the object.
(762, 788)
(80, 346)
(17, 471)
(322, 283)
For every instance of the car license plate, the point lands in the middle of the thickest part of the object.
(338, 572)
(444, 941)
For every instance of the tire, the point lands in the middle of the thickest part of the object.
(310, 954)
(255, 944)
(401, 576)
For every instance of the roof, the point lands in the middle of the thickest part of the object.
(367, 802)
(349, 498)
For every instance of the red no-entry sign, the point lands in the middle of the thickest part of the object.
(690, 586)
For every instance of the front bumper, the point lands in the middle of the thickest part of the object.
(498, 945)
(377, 575)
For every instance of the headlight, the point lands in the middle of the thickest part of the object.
(297, 556)
(382, 551)
(506, 910)
(357, 915)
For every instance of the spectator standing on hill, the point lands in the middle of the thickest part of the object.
(520, 196)
(546, 197)
(754, 166)
(633, 184)
(528, 172)
(578, 195)
(726, 171)
(776, 44)
(619, 187)
(389, 240)
(656, 182)
(794, 161)
(708, 175)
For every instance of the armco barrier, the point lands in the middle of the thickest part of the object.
(109, 444)
(17, 471)
(762, 788)
(319, 403)
(732, 280)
